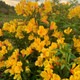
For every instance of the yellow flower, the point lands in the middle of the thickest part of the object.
(60, 40)
(6, 71)
(20, 6)
(53, 46)
(4, 50)
(39, 61)
(74, 12)
(1, 43)
(8, 44)
(1, 33)
(46, 39)
(17, 68)
(44, 19)
(57, 34)
(47, 74)
(76, 76)
(68, 2)
(65, 79)
(15, 54)
(40, 46)
(53, 26)
(37, 40)
(28, 51)
(48, 65)
(27, 69)
(78, 49)
(77, 44)
(6, 26)
(10, 62)
(42, 32)
(19, 35)
(17, 77)
(72, 69)
(45, 52)
(23, 52)
(2, 64)
(78, 60)
(55, 77)
(12, 29)
(10, 47)
(64, 3)
(72, 77)
(68, 30)
(31, 36)
(31, 26)
(47, 6)
(35, 5)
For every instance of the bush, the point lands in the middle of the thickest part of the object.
(43, 46)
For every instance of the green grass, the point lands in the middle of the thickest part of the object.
(1, 19)
(6, 18)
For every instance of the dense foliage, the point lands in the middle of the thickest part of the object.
(5, 8)
(43, 46)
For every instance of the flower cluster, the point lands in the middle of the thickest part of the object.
(74, 12)
(77, 44)
(14, 67)
(44, 43)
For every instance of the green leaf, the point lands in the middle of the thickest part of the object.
(75, 30)
(69, 57)
(58, 53)
(62, 67)
(65, 26)
(60, 45)
(55, 50)
(68, 67)
(72, 63)
(73, 56)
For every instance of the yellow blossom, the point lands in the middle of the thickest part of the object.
(42, 32)
(47, 74)
(1, 33)
(47, 6)
(60, 40)
(28, 51)
(68, 30)
(40, 46)
(44, 19)
(55, 77)
(45, 52)
(23, 52)
(74, 12)
(53, 26)
(39, 61)
(17, 77)
(2, 64)
(53, 46)
(31, 36)
(57, 34)
(65, 79)
(27, 69)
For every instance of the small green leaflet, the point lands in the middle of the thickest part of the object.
(62, 67)
(55, 50)
(73, 56)
(57, 53)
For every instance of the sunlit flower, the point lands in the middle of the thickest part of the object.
(68, 30)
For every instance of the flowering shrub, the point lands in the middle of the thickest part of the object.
(43, 46)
